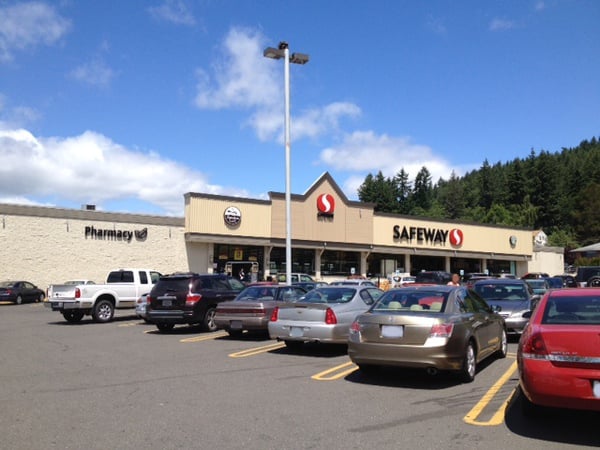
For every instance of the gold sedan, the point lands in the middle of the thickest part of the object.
(449, 328)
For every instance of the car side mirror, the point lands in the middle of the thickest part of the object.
(527, 315)
(496, 308)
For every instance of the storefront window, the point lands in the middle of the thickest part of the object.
(238, 257)
(340, 263)
(303, 261)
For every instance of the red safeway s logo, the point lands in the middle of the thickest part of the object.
(325, 204)
(456, 237)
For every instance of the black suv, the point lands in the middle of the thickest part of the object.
(189, 298)
(588, 276)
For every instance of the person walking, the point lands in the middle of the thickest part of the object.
(455, 281)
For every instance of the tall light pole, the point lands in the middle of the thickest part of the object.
(283, 52)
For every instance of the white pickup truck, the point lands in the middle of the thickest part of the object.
(123, 287)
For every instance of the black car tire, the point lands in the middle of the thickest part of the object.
(294, 345)
(73, 316)
(368, 369)
(40, 298)
(103, 311)
(165, 326)
(235, 333)
(469, 367)
(208, 322)
(19, 300)
(594, 282)
(503, 350)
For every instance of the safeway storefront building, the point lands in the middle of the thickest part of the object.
(332, 237)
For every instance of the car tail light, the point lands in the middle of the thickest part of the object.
(441, 330)
(355, 327)
(533, 346)
(192, 299)
(77, 293)
(274, 314)
(330, 318)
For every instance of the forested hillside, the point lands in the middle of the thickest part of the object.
(557, 192)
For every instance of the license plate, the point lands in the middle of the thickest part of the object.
(597, 389)
(167, 303)
(236, 325)
(296, 332)
(392, 331)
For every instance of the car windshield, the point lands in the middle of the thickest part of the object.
(256, 293)
(490, 291)
(579, 310)
(411, 300)
(329, 295)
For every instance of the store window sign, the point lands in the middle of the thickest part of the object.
(429, 235)
(232, 216)
(326, 204)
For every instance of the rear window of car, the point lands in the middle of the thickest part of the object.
(171, 285)
(329, 295)
(407, 300)
(256, 293)
(505, 291)
(566, 310)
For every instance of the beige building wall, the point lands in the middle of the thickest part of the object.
(493, 241)
(48, 245)
(549, 260)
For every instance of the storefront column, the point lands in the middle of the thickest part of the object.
(267, 261)
(484, 265)
(210, 264)
(318, 253)
(407, 267)
(363, 263)
(447, 265)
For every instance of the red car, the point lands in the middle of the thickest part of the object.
(559, 352)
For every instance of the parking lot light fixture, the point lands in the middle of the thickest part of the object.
(283, 52)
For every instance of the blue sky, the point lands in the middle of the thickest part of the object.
(129, 105)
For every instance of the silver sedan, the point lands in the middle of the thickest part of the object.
(322, 315)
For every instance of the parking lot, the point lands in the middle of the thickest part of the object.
(124, 385)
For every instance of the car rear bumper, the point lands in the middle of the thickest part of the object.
(67, 305)
(545, 384)
(309, 332)
(441, 357)
(231, 322)
(174, 316)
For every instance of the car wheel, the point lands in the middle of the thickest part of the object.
(103, 311)
(528, 409)
(73, 316)
(209, 320)
(294, 345)
(503, 350)
(235, 333)
(165, 326)
(19, 300)
(594, 282)
(40, 298)
(368, 369)
(467, 372)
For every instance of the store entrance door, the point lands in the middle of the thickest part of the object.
(246, 271)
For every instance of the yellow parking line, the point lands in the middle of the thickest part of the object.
(257, 350)
(128, 324)
(325, 375)
(5, 302)
(205, 337)
(498, 417)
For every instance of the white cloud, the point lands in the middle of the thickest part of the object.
(174, 11)
(366, 152)
(90, 168)
(29, 24)
(242, 78)
(501, 25)
(94, 72)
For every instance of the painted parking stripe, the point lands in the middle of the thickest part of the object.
(335, 373)
(257, 350)
(498, 417)
(205, 337)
